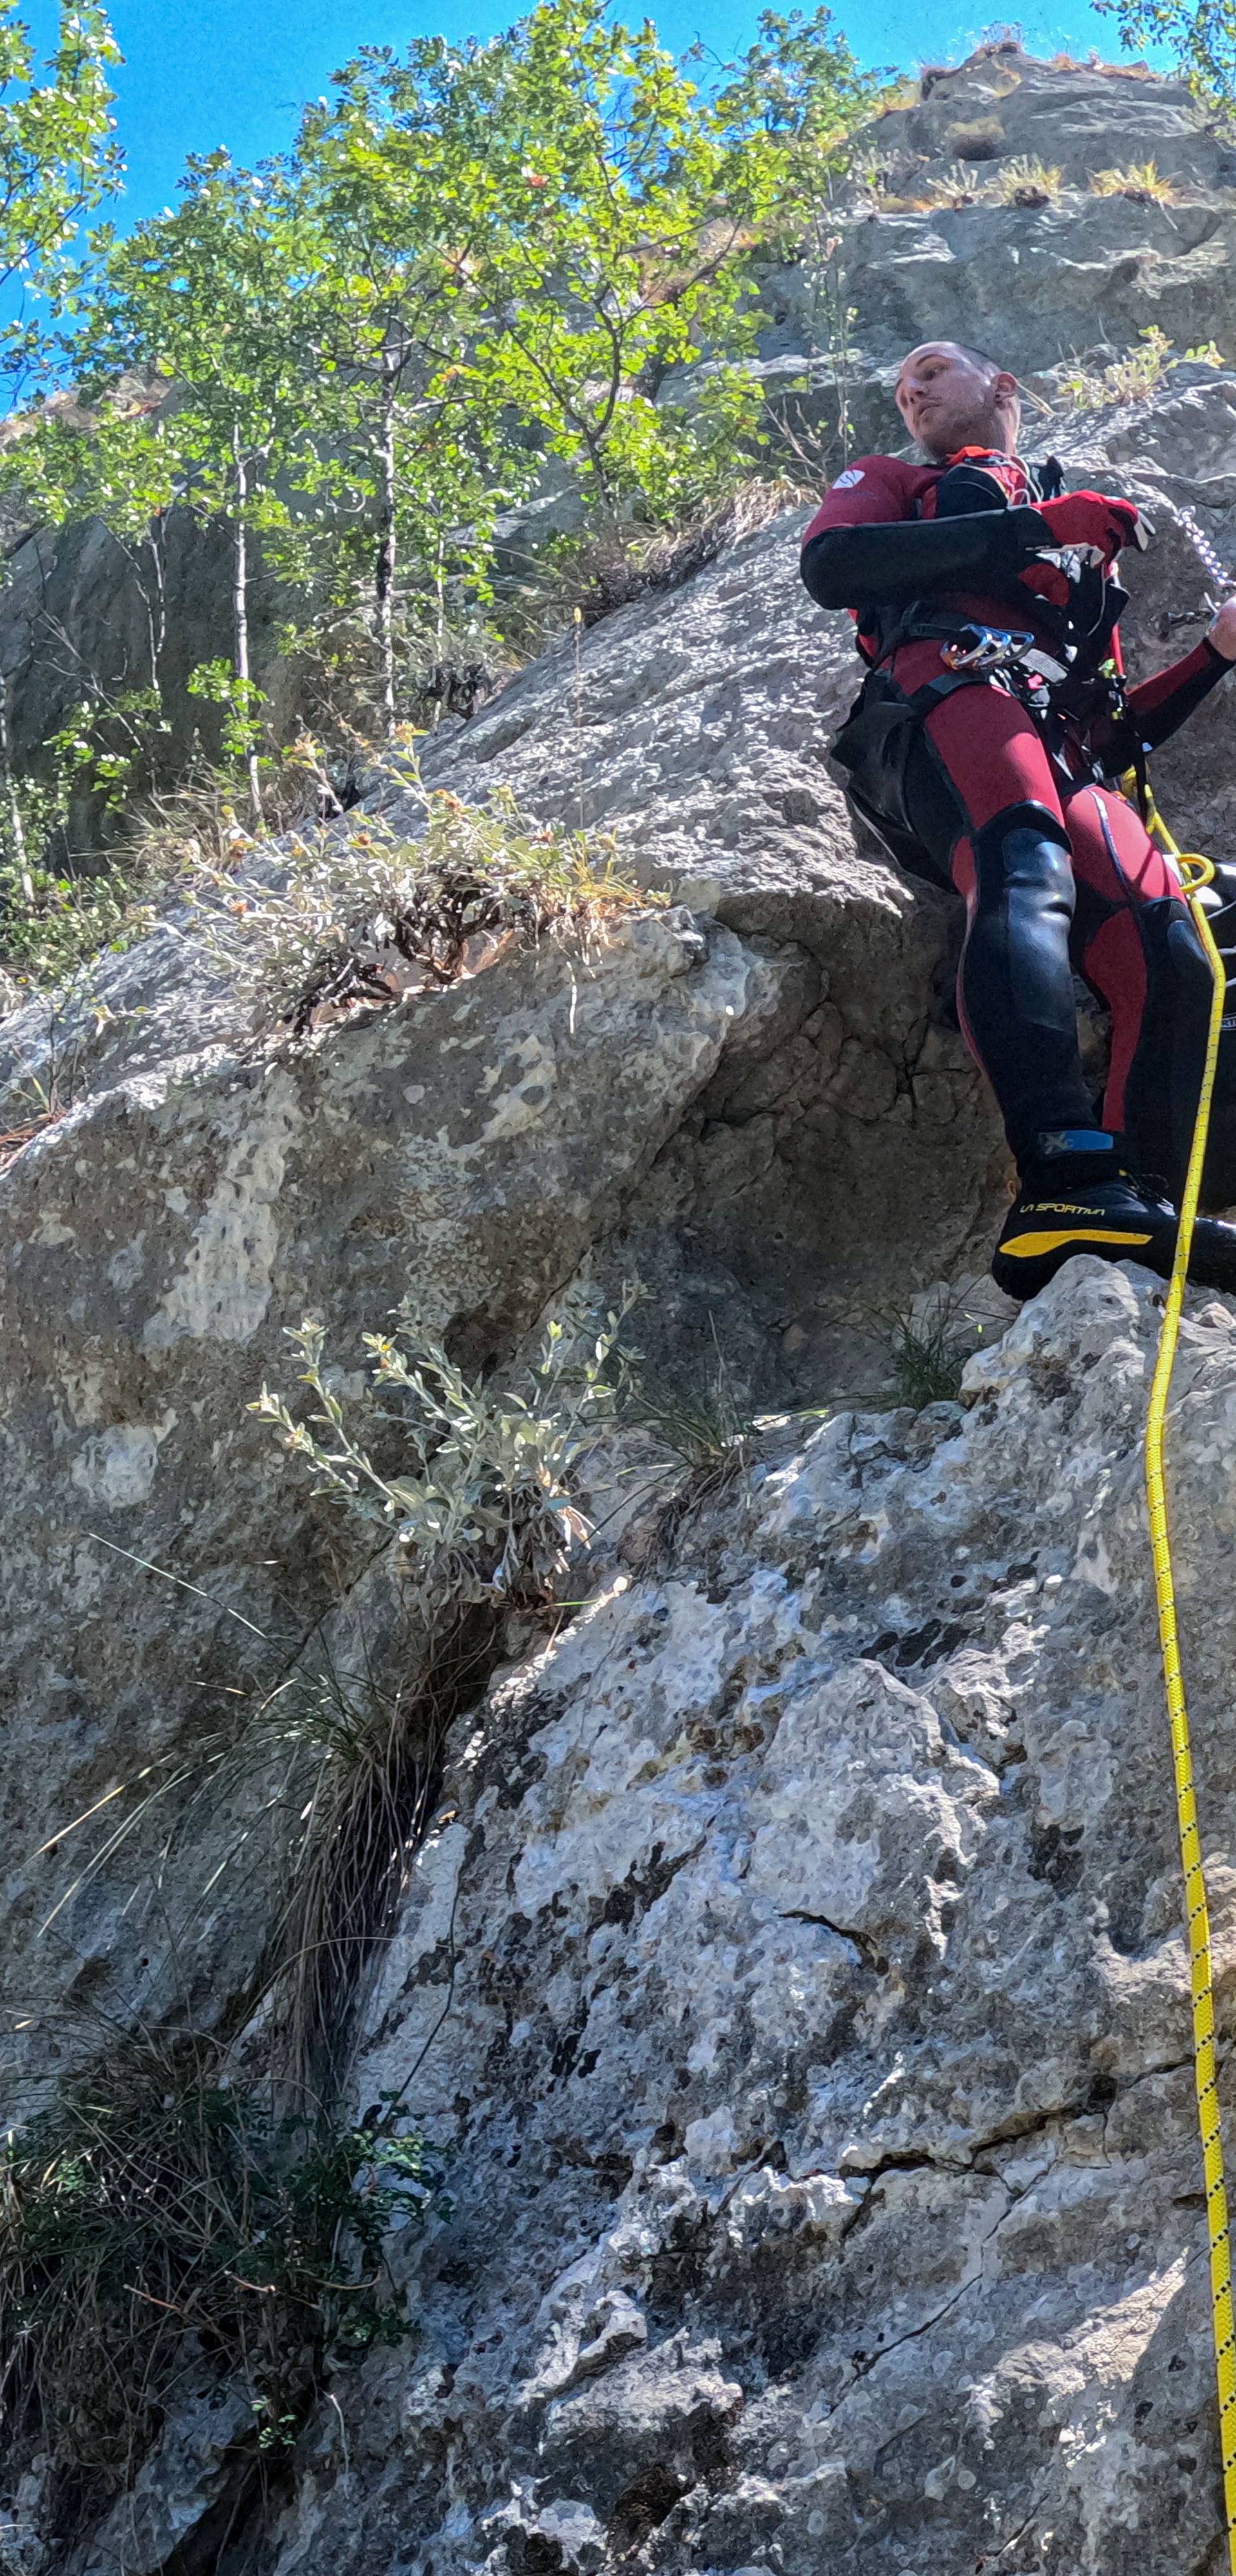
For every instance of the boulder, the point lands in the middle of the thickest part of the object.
(157, 1241)
(798, 1994)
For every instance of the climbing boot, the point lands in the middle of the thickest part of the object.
(1078, 1195)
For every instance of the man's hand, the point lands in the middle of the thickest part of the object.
(1089, 519)
(1222, 631)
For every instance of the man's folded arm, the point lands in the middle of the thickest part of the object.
(845, 567)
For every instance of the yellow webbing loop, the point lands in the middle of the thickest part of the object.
(1195, 872)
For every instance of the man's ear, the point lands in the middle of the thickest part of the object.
(1005, 390)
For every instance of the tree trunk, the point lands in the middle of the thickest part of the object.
(240, 616)
(17, 829)
(384, 555)
(155, 600)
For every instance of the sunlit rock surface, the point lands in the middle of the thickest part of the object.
(793, 1984)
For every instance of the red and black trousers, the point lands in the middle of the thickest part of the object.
(1058, 879)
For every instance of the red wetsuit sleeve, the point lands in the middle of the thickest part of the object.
(875, 487)
(1157, 707)
(864, 546)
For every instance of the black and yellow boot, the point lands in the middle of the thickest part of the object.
(1078, 1195)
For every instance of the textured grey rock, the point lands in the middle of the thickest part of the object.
(813, 2084)
(1076, 118)
(813, 2071)
(153, 1247)
(1037, 285)
(695, 727)
(191, 2470)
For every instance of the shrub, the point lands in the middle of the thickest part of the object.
(487, 1524)
(54, 926)
(1133, 378)
(330, 1780)
(358, 916)
(162, 2222)
(484, 1512)
(71, 921)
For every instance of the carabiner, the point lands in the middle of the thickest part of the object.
(992, 645)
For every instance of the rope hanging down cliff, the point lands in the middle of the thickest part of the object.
(1195, 872)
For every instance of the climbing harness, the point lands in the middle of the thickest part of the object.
(1195, 872)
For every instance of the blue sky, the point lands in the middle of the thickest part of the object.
(199, 73)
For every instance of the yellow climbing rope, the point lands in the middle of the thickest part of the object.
(1195, 872)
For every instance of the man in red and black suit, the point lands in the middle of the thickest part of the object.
(984, 749)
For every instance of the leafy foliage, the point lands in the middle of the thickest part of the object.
(164, 2221)
(1133, 378)
(1201, 35)
(55, 925)
(794, 99)
(479, 263)
(484, 1512)
(58, 155)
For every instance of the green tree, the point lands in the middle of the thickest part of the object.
(58, 159)
(796, 96)
(213, 297)
(792, 102)
(58, 152)
(415, 463)
(593, 217)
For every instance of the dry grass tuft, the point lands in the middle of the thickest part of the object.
(930, 1346)
(333, 1784)
(956, 186)
(1027, 182)
(607, 571)
(1141, 181)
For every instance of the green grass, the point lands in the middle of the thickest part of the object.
(929, 1354)
(163, 2221)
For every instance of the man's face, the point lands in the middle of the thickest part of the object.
(948, 401)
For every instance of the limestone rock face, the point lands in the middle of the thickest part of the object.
(154, 1245)
(695, 727)
(793, 1984)
(797, 1988)
(1077, 119)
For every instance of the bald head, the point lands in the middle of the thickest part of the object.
(950, 396)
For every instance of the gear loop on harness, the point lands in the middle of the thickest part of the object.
(1195, 872)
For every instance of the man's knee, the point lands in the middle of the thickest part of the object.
(1024, 912)
(1022, 855)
